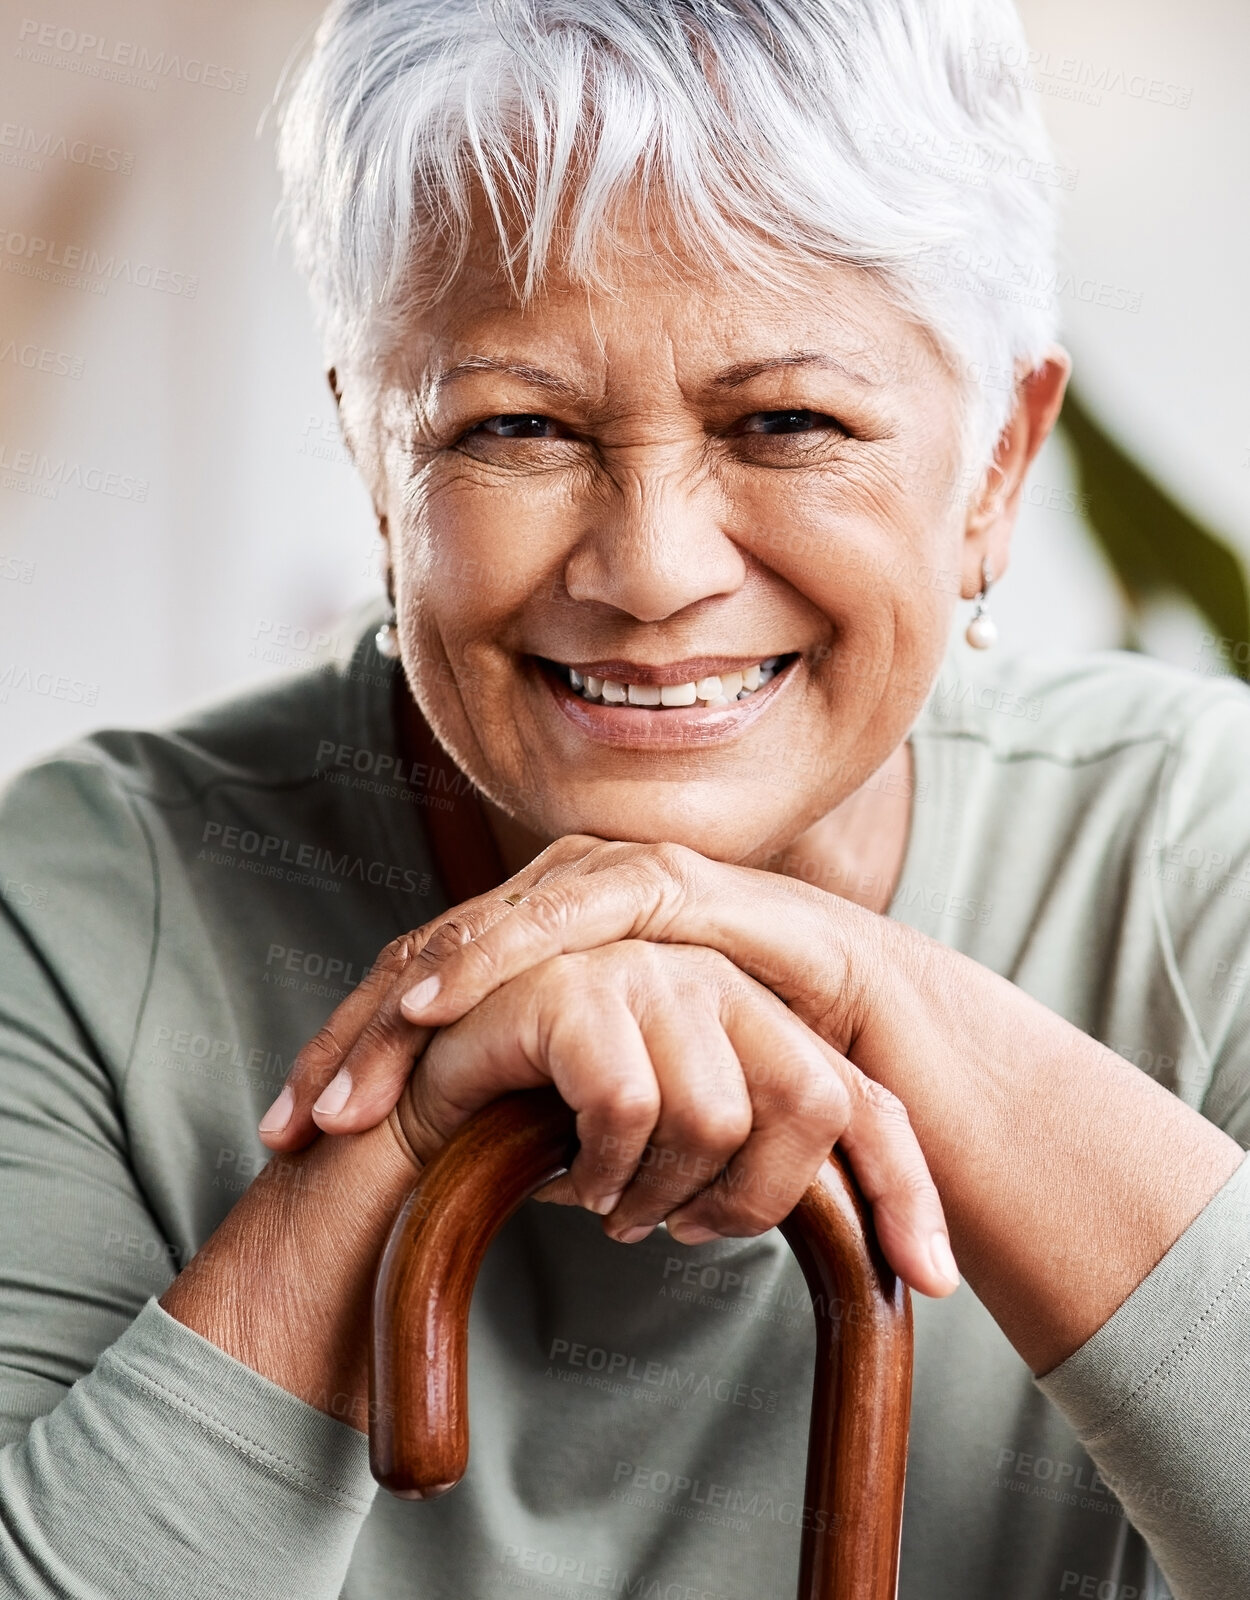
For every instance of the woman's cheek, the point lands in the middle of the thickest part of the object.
(455, 596)
(499, 530)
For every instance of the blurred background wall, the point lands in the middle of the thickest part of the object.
(178, 516)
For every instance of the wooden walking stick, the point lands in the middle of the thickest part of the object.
(857, 1447)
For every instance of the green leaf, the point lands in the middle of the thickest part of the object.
(1155, 546)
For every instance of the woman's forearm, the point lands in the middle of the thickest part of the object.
(284, 1283)
(1065, 1172)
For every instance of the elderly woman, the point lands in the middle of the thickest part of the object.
(695, 366)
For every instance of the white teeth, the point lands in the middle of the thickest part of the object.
(714, 690)
(731, 685)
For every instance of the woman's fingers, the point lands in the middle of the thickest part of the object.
(704, 1107)
(631, 1038)
(700, 1096)
(805, 1099)
(372, 1073)
(601, 1065)
(799, 1106)
(584, 893)
(288, 1124)
(581, 893)
(349, 1077)
(894, 1178)
(556, 1024)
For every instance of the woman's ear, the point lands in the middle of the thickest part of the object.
(992, 515)
(332, 378)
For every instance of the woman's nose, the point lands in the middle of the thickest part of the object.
(655, 545)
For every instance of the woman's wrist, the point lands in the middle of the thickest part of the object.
(284, 1285)
(1046, 1147)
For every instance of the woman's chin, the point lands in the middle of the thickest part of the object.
(724, 825)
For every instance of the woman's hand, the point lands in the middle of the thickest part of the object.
(817, 953)
(578, 894)
(1045, 1146)
(701, 1099)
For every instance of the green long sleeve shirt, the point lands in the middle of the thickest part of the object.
(180, 910)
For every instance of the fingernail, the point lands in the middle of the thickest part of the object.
(942, 1259)
(420, 996)
(691, 1232)
(606, 1203)
(335, 1094)
(279, 1113)
(633, 1235)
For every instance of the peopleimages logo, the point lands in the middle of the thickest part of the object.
(40, 358)
(16, 678)
(226, 844)
(82, 266)
(118, 60)
(1024, 283)
(29, 148)
(1071, 77)
(35, 472)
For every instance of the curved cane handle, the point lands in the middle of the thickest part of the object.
(857, 1449)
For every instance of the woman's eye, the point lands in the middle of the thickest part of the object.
(787, 422)
(518, 425)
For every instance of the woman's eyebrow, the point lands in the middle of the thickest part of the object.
(743, 371)
(538, 376)
(730, 378)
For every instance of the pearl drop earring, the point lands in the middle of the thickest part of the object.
(386, 640)
(982, 632)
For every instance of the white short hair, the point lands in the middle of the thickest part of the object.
(878, 133)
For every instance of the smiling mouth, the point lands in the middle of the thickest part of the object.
(712, 691)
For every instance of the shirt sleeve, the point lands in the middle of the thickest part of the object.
(136, 1458)
(1160, 1397)
(173, 1470)
(1160, 1394)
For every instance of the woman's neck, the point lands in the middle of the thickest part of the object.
(857, 850)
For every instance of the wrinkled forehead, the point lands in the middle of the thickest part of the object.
(646, 296)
